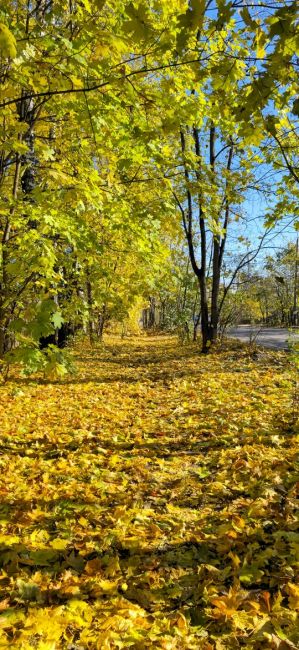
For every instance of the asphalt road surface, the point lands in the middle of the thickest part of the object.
(275, 338)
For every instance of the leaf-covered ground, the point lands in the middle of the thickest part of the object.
(150, 502)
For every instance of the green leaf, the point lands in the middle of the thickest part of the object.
(57, 319)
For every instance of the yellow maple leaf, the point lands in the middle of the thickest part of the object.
(7, 43)
(228, 604)
(59, 544)
(293, 593)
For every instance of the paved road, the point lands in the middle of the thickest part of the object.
(270, 337)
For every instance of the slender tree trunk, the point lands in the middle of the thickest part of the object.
(196, 317)
(185, 287)
(200, 272)
(5, 290)
(25, 110)
(215, 291)
(195, 328)
(144, 319)
(216, 251)
(89, 302)
(101, 322)
(162, 319)
(205, 323)
(152, 313)
(295, 312)
(218, 245)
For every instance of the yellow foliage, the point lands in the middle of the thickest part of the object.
(7, 43)
(140, 489)
(293, 592)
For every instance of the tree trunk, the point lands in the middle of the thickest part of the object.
(152, 313)
(196, 319)
(205, 324)
(5, 313)
(215, 291)
(3, 340)
(101, 322)
(295, 308)
(89, 302)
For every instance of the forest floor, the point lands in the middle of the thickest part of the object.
(149, 501)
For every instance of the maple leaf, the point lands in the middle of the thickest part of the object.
(228, 604)
(293, 592)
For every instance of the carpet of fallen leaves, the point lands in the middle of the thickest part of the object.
(149, 501)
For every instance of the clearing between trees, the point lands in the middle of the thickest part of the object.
(148, 501)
